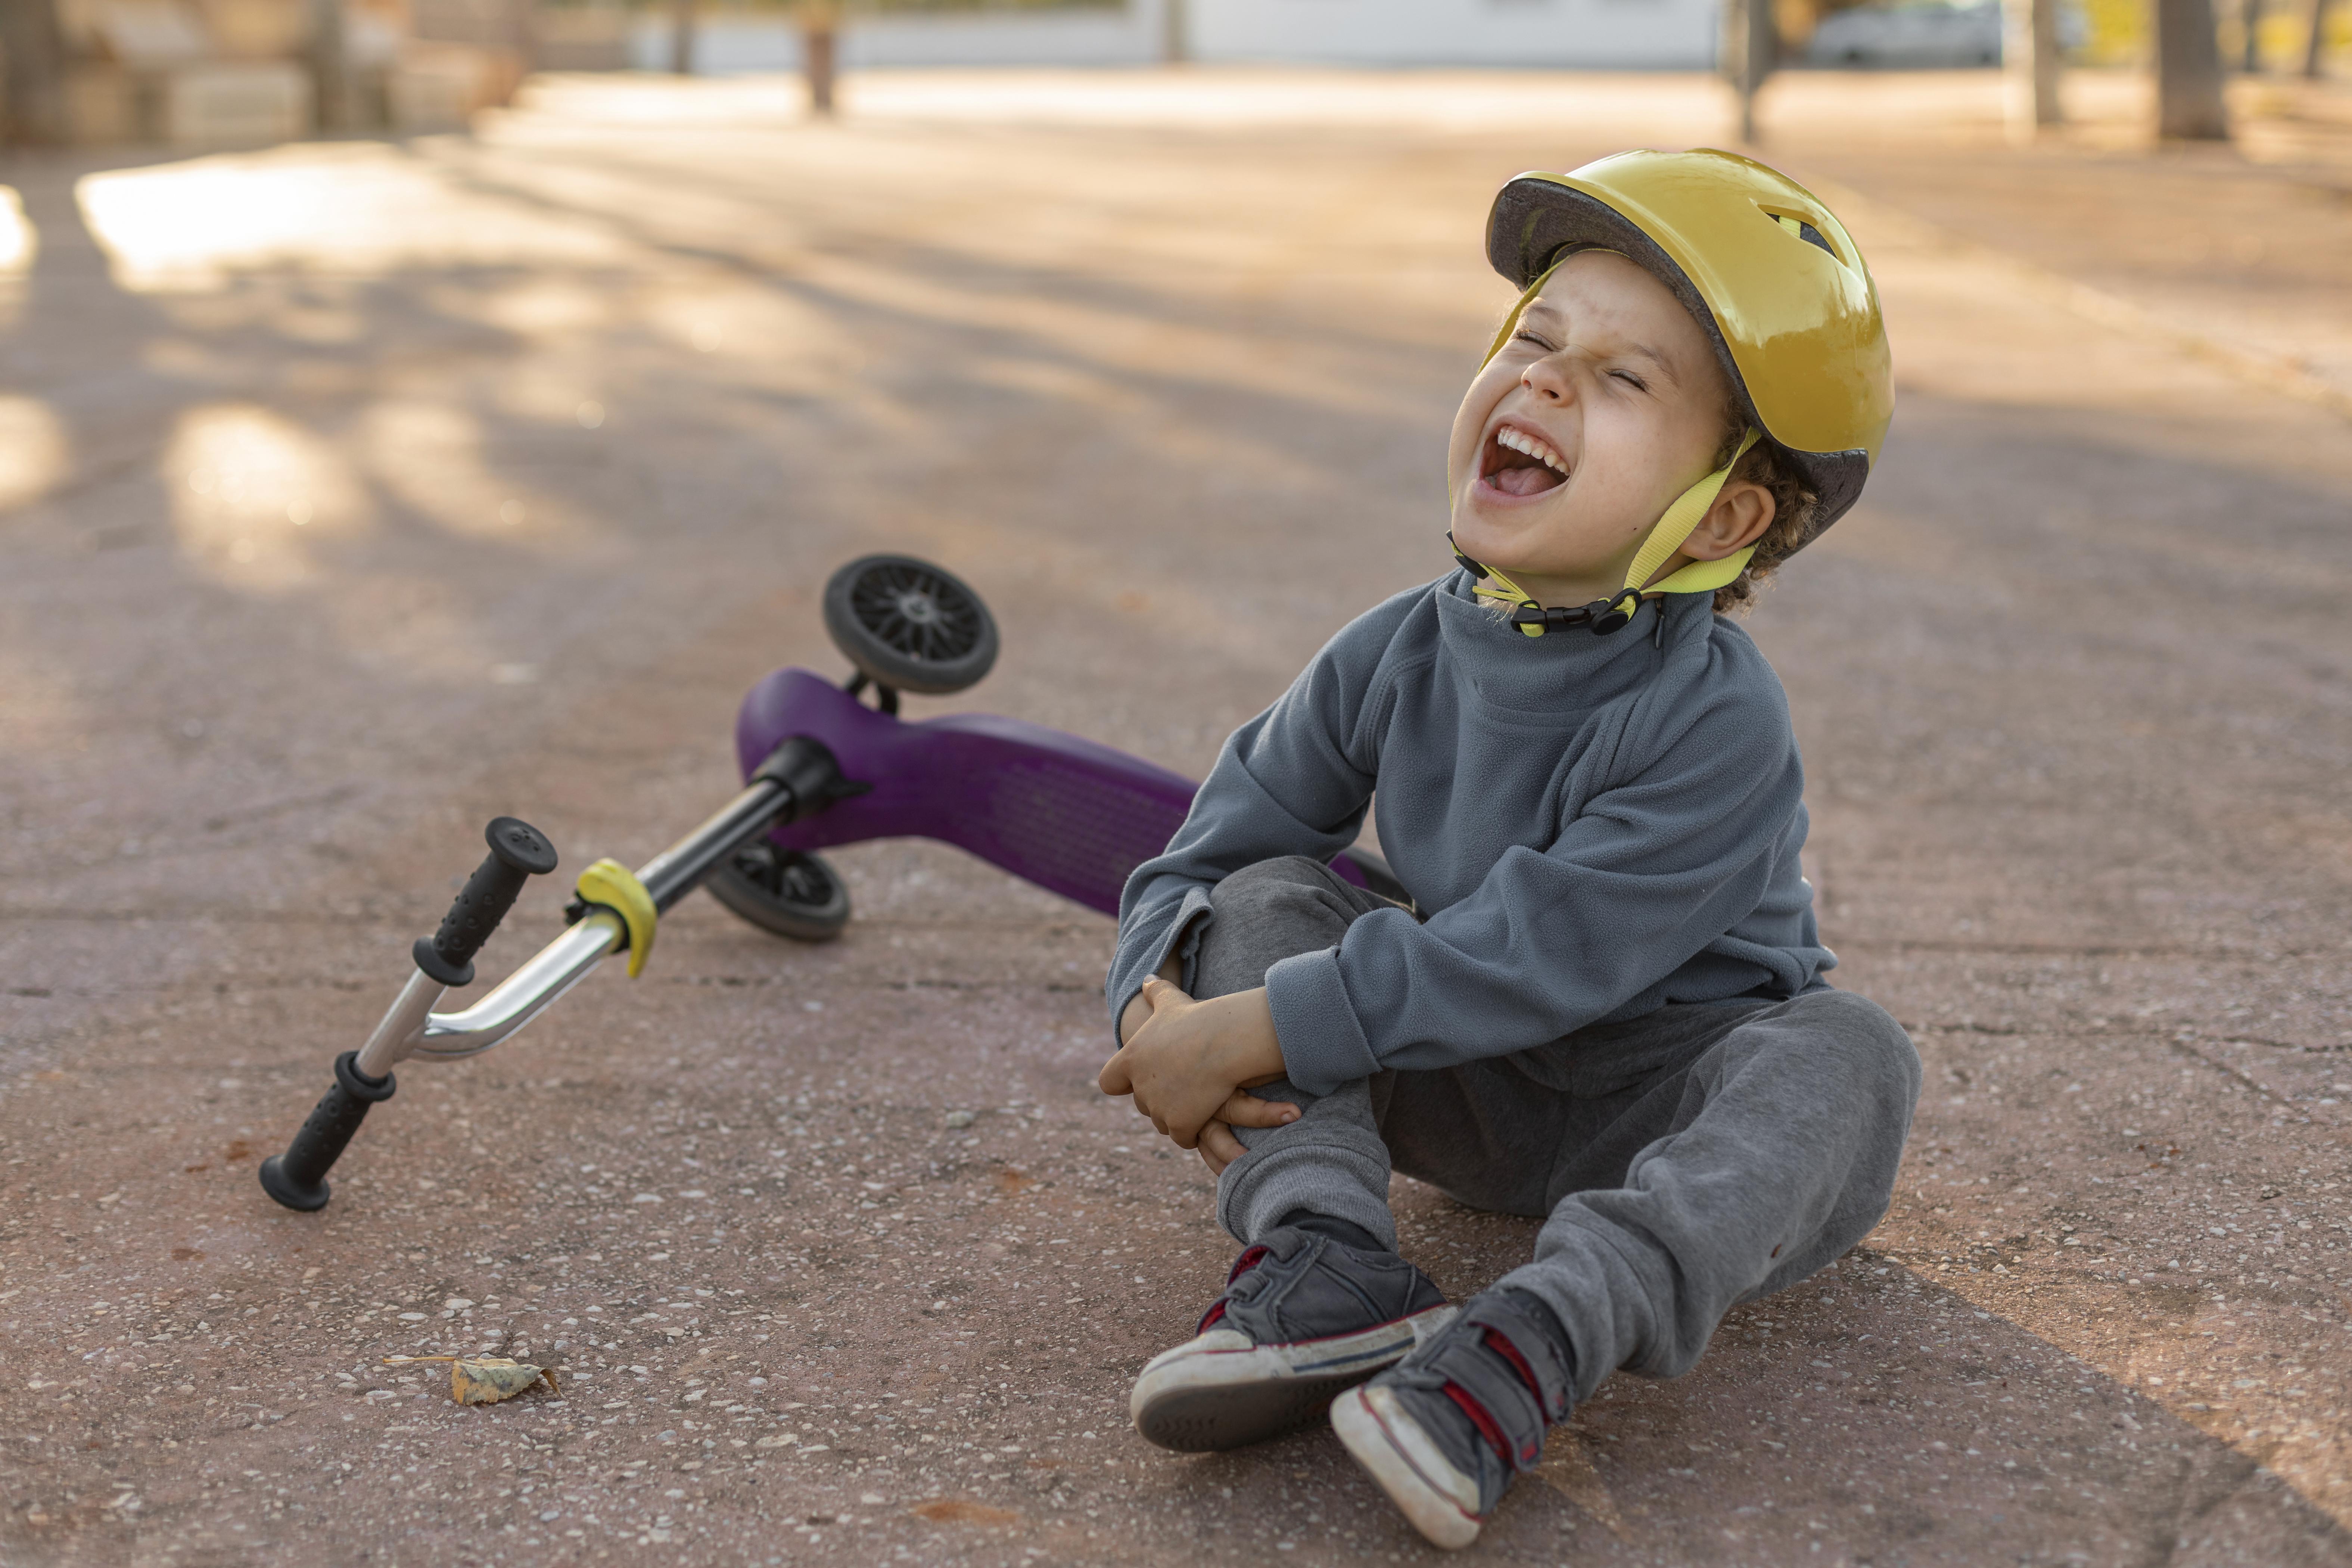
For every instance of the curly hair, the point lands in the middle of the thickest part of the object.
(1792, 515)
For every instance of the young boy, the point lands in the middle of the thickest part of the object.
(1604, 1004)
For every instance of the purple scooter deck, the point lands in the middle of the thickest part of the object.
(1071, 816)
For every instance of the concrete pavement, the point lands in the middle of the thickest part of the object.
(357, 493)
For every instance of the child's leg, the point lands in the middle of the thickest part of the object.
(1331, 1162)
(1704, 1156)
(1767, 1156)
(1318, 1300)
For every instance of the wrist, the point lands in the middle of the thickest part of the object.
(1252, 1051)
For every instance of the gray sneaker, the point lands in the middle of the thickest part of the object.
(1445, 1432)
(1302, 1318)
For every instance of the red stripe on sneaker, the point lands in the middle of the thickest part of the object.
(1480, 1419)
(1496, 1342)
(1250, 1258)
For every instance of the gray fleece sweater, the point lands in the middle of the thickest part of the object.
(1593, 826)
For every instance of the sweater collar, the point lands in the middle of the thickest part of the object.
(1562, 671)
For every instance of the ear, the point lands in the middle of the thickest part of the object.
(1741, 513)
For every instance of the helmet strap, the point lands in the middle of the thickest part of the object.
(1674, 530)
(1669, 534)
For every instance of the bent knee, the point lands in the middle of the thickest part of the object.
(1867, 1039)
(1285, 879)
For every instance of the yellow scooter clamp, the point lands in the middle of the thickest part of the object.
(616, 888)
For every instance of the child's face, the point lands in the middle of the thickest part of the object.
(1617, 392)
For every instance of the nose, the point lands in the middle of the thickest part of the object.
(1549, 378)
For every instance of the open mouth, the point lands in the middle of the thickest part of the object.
(1520, 463)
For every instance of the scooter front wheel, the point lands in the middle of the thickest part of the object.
(789, 892)
(908, 625)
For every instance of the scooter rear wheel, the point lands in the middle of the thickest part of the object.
(908, 625)
(789, 892)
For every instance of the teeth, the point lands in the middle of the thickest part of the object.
(1518, 441)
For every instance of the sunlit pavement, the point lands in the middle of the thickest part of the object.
(355, 493)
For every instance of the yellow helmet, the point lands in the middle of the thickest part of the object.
(1768, 270)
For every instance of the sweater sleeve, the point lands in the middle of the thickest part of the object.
(1295, 780)
(1642, 879)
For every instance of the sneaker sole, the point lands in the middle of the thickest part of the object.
(1366, 1435)
(1211, 1400)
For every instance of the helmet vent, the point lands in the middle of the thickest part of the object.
(1805, 232)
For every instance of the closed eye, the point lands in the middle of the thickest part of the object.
(1525, 336)
(1629, 379)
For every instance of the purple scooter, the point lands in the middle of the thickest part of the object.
(820, 767)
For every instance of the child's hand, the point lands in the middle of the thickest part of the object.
(1185, 1061)
(1219, 1147)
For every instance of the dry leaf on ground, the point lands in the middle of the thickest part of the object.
(486, 1379)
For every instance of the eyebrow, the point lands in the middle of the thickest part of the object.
(1665, 366)
(1644, 351)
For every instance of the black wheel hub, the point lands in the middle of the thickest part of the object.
(916, 612)
(787, 874)
(908, 625)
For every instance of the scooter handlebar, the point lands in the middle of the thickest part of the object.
(298, 1178)
(518, 853)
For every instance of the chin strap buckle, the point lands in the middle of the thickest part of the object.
(1603, 616)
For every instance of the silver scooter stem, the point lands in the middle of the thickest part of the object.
(411, 1028)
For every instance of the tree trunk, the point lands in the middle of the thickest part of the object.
(1175, 39)
(1750, 48)
(819, 52)
(36, 81)
(2249, 17)
(2031, 57)
(681, 38)
(2317, 42)
(2189, 73)
(331, 66)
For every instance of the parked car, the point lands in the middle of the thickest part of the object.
(1916, 33)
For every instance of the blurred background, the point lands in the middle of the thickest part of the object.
(205, 72)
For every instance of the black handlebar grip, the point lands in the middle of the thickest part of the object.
(298, 1178)
(518, 852)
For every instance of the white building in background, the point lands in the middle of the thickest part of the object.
(1652, 35)
(1657, 35)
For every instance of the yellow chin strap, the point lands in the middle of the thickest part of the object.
(1674, 530)
(1668, 535)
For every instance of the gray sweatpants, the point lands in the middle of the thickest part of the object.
(1683, 1162)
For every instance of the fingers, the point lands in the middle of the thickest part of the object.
(1115, 1079)
(1182, 1133)
(1248, 1110)
(1132, 1017)
(1219, 1147)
